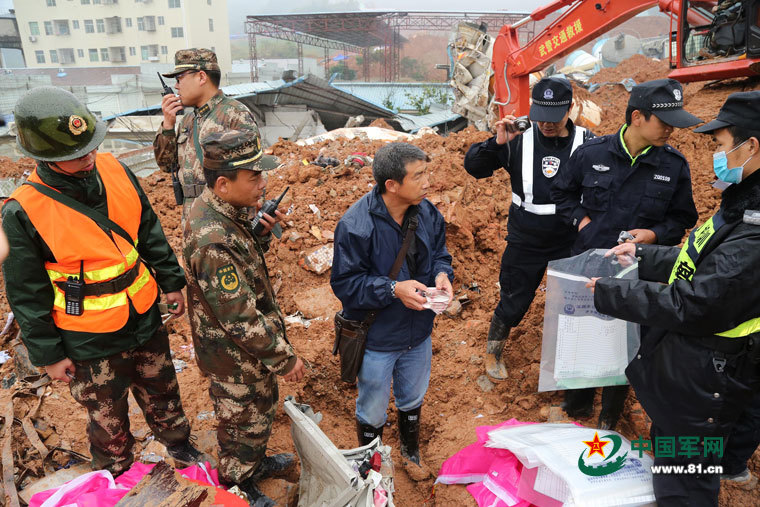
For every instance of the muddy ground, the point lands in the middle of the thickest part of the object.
(476, 215)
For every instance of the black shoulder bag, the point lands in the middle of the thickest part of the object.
(351, 335)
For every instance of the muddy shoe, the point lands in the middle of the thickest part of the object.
(185, 454)
(495, 368)
(275, 465)
(744, 479)
(416, 470)
(255, 496)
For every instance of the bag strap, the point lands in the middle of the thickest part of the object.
(196, 141)
(96, 216)
(396, 268)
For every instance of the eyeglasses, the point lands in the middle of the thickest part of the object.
(186, 73)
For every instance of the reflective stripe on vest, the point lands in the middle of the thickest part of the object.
(686, 266)
(73, 238)
(528, 172)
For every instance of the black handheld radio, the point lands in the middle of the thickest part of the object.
(269, 207)
(179, 195)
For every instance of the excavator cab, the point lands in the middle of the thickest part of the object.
(716, 39)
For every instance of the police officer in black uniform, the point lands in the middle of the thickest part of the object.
(536, 235)
(697, 369)
(628, 181)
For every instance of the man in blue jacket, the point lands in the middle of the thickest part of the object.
(367, 240)
(629, 181)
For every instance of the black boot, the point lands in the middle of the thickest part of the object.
(255, 495)
(409, 433)
(274, 466)
(497, 337)
(613, 401)
(367, 433)
(579, 403)
(186, 454)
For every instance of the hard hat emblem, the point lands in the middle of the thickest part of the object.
(77, 125)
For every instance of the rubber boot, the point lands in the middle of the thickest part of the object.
(613, 401)
(367, 433)
(579, 403)
(497, 338)
(409, 435)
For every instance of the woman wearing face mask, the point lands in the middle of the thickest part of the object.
(697, 367)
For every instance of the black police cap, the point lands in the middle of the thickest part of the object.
(552, 97)
(664, 97)
(741, 109)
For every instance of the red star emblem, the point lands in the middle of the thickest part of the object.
(596, 445)
(77, 122)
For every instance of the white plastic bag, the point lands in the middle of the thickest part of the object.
(581, 347)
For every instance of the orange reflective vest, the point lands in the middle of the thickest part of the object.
(74, 239)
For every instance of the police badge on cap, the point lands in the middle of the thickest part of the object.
(552, 97)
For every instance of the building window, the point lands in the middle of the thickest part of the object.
(88, 26)
(141, 24)
(210, 25)
(178, 31)
(85, 2)
(104, 54)
(174, 4)
(144, 52)
(51, 3)
(164, 50)
(34, 28)
(208, 2)
(96, 2)
(101, 25)
(48, 28)
(40, 56)
(75, 24)
(128, 22)
(53, 56)
(80, 53)
(132, 51)
(66, 55)
(93, 55)
(161, 20)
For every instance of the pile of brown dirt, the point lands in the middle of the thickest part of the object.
(476, 216)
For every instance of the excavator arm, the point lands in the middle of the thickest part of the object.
(581, 22)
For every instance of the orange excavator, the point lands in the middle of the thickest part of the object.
(709, 40)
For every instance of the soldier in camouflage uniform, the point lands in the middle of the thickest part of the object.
(198, 75)
(238, 328)
(116, 343)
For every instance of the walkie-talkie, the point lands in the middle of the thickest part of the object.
(74, 293)
(179, 195)
(269, 208)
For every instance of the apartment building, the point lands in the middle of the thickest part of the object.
(106, 33)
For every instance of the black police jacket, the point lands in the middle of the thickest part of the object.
(550, 156)
(652, 191)
(675, 373)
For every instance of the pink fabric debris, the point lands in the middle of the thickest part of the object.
(98, 488)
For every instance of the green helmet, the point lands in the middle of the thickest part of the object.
(53, 125)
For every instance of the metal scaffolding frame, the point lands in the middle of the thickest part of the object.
(359, 32)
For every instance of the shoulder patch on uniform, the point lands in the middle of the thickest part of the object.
(228, 278)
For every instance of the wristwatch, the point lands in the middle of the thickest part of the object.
(393, 288)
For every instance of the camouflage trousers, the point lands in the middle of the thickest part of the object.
(245, 413)
(102, 385)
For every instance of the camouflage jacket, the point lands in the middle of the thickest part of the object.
(220, 113)
(245, 338)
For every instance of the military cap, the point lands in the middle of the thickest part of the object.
(741, 109)
(193, 59)
(236, 149)
(552, 97)
(664, 97)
